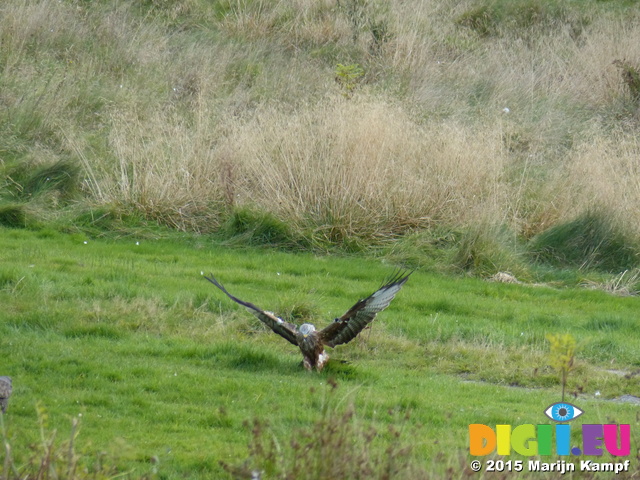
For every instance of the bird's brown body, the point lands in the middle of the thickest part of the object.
(313, 354)
(344, 329)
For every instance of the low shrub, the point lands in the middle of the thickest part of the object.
(12, 215)
(593, 240)
(486, 249)
(253, 227)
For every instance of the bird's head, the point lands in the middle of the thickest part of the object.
(307, 329)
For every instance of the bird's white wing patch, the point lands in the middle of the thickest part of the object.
(362, 313)
(322, 359)
(382, 298)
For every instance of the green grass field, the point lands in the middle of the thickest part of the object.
(164, 372)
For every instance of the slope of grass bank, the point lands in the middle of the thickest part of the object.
(517, 115)
(163, 371)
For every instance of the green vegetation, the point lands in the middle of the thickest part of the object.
(591, 241)
(562, 356)
(166, 375)
(348, 77)
(300, 151)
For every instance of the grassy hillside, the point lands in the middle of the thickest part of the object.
(350, 122)
(166, 375)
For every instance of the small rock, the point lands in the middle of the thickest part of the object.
(504, 277)
(5, 392)
(628, 399)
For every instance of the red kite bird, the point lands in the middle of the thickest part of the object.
(342, 330)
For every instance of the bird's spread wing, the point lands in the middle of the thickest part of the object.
(285, 329)
(345, 328)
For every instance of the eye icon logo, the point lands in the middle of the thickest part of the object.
(562, 412)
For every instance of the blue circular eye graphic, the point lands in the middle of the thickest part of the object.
(562, 412)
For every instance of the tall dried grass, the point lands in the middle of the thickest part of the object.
(341, 167)
(603, 171)
(188, 112)
(363, 167)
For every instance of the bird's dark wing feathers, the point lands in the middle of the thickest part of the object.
(347, 327)
(286, 330)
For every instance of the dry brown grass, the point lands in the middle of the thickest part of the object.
(189, 112)
(604, 171)
(362, 167)
(624, 284)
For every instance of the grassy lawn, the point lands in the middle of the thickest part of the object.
(164, 372)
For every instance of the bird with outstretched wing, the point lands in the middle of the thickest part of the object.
(344, 329)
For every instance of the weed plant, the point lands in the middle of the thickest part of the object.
(339, 444)
(51, 458)
(562, 356)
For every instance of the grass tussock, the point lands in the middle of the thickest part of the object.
(591, 241)
(248, 226)
(623, 284)
(521, 18)
(12, 215)
(486, 250)
(359, 168)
